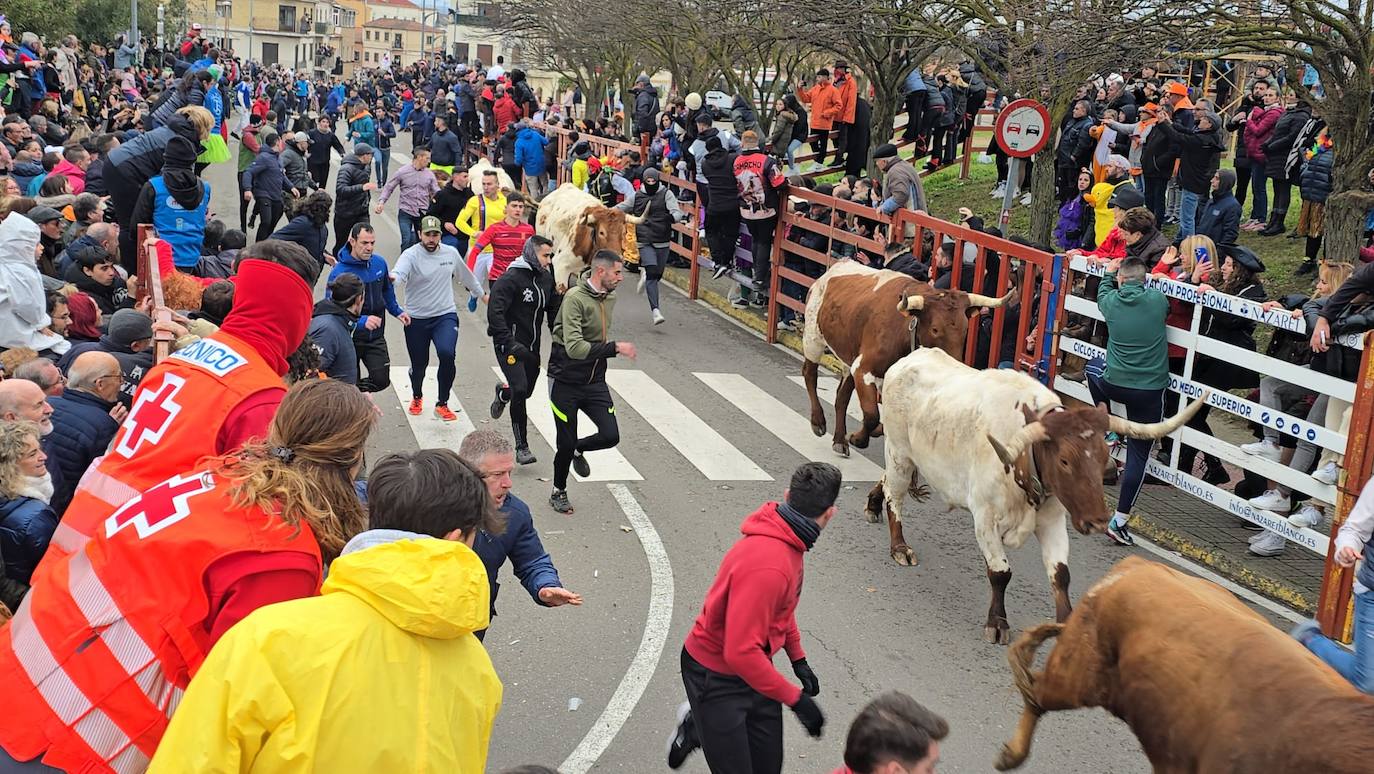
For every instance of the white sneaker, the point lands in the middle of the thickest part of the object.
(984, 158)
(658, 317)
(1263, 448)
(1255, 537)
(1025, 200)
(1272, 500)
(1269, 544)
(1327, 474)
(999, 190)
(1307, 516)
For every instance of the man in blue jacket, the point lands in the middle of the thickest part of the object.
(379, 298)
(494, 457)
(529, 154)
(265, 181)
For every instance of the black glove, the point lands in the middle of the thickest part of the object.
(811, 685)
(809, 713)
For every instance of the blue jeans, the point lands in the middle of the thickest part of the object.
(381, 160)
(1154, 190)
(458, 242)
(406, 107)
(792, 153)
(1187, 214)
(409, 226)
(443, 332)
(1141, 406)
(1357, 667)
(1259, 203)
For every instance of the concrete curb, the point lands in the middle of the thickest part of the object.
(1167, 537)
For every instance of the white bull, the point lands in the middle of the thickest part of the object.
(579, 225)
(479, 170)
(1002, 445)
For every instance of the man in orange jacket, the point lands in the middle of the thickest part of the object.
(206, 399)
(848, 94)
(824, 100)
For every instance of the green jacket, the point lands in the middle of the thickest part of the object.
(1137, 353)
(582, 336)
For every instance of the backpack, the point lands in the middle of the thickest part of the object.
(603, 187)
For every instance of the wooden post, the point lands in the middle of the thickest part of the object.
(774, 262)
(150, 284)
(1333, 606)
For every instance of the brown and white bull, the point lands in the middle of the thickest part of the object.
(1207, 684)
(579, 225)
(1002, 445)
(869, 318)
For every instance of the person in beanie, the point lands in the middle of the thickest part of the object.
(748, 616)
(351, 188)
(522, 299)
(659, 209)
(901, 182)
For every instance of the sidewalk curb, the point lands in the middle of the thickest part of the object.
(1166, 537)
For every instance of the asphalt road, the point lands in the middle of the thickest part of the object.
(642, 549)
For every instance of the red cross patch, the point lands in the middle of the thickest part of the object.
(152, 415)
(159, 507)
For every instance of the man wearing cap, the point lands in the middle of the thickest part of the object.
(1176, 97)
(129, 337)
(847, 93)
(418, 186)
(294, 164)
(351, 189)
(901, 183)
(427, 270)
(51, 224)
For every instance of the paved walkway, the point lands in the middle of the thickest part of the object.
(1165, 515)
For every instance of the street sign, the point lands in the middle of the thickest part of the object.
(1023, 128)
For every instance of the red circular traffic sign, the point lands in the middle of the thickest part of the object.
(1023, 128)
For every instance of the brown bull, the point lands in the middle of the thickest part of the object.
(869, 319)
(1207, 685)
(580, 226)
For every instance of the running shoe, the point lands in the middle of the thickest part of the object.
(417, 406)
(524, 456)
(498, 405)
(658, 317)
(1120, 533)
(721, 270)
(684, 739)
(580, 465)
(445, 413)
(559, 500)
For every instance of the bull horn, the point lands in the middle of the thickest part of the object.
(1155, 430)
(634, 220)
(911, 304)
(974, 299)
(1024, 438)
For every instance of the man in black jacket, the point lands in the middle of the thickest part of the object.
(522, 299)
(1074, 150)
(322, 141)
(448, 204)
(351, 192)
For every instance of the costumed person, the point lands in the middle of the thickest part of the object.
(206, 399)
(96, 660)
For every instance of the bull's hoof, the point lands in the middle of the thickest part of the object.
(918, 492)
(858, 441)
(903, 555)
(877, 431)
(818, 429)
(840, 449)
(873, 516)
(997, 635)
(1009, 759)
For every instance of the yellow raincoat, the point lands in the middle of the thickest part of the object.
(380, 673)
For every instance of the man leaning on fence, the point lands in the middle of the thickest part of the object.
(1135, 372)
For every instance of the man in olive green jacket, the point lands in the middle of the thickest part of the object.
(1135, 373)
(577, 369)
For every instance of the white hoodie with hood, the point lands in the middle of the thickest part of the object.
(23, 304)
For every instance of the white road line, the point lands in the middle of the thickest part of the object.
(430, 431)
(607, 464)
(645, 662)
(1203, 572)
(825, 390)
(790, 427)
(715, 457)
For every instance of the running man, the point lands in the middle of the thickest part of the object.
(478, 213)
(502, 242)
(577, 370)
(427, 270)
(521, 300)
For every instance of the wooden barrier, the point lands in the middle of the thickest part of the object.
(150, 285)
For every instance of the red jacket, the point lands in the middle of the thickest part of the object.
(506, 112)
(749, 613)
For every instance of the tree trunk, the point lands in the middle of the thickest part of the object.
(1343, 228)
(1043, 207)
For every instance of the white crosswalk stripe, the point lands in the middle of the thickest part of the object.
(790, 427)
(707, 450)
(825, 390)
(607, 464)
(430, 431)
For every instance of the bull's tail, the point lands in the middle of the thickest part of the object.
(1021, 655)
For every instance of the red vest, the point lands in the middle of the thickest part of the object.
(175, 422)
(96, 658)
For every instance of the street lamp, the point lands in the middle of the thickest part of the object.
(225, 7)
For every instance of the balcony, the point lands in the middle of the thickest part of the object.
(273, 24)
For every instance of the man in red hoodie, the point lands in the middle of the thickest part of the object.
(749, 615)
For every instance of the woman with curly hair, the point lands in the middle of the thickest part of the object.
(26, 520)
(309, 226)
(170, 572)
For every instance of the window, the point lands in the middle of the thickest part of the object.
(223, 9)
(347, 19)
(484, 54)
(460, 52)
(286, 18)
